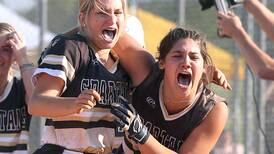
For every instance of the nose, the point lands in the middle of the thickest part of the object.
(112, 19)
(185, 62)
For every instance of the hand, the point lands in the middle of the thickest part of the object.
(229, 24)
(87, 100)
(18, 48)
(218, 77)
(130, 121)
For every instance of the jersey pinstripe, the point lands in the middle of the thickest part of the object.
(71, 59)
(169, 130)
(14, 119)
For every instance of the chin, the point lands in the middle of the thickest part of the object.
(106, 46)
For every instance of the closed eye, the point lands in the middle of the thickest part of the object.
(102, 13)
(177, 55)
(118, 12)
(195, 56)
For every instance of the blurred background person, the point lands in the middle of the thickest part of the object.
(229, 24)
(14, 92)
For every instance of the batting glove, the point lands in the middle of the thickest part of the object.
(130, 121)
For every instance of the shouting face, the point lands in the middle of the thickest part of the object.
(184, 66)
(104, 23)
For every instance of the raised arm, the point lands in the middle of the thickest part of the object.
(258, 60)
(134, 58)
(26, 67)
(263, 16)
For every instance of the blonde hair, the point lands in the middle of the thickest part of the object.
(5, 27)
(85, 6)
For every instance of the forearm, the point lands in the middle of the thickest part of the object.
(152, 146)
(259, 61)
(263, 16)
(26, 70)
(50, 106)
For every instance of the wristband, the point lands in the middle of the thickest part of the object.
(25, 66)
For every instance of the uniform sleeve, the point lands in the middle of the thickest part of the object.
(61, 59)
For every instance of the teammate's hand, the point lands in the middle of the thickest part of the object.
(229, 24)
(130, 121)
(18, 47)
(218, 77)
(87, 100)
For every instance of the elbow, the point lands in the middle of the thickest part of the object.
(32, 106)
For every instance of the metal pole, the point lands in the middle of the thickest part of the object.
(38, 122)
(43, 22)
(249, 105)
(181, 11)
(262, 100)
(236, 111)
(236, 102)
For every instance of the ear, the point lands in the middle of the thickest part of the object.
(82, 19)
(161, 64)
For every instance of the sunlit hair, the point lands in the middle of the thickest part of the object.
(179, 33)
(5, 27)
(87, 5)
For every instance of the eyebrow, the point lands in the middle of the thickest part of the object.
(180, 51)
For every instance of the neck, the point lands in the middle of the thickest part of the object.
(101, 54)
(175, 103)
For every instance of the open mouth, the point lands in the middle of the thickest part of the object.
(184, 79)
(109, 34)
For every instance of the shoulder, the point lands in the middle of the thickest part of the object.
(219, 112)
(211, 97)
(215, 108)
(71, 47)
(67, 41)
